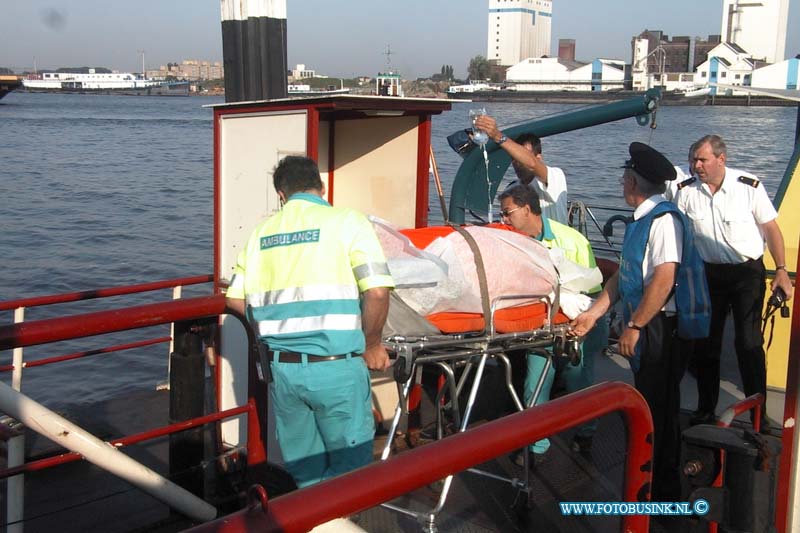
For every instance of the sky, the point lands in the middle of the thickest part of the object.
(343, 39)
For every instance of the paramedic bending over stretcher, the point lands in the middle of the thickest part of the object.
(316, 286)
(521, 209)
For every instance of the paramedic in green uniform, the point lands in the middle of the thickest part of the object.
(521, 209)
(314, 282)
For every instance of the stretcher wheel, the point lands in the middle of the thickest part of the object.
(401, 373)
(573, 350)
(558, 346)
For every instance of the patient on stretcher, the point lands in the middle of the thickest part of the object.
(437, 275)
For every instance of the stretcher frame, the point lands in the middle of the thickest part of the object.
(448, 352)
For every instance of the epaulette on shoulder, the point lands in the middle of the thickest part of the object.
(753, 182)
(686, 182)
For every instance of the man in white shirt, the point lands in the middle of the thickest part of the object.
(685, 176)
(732, 217)
(550, 183)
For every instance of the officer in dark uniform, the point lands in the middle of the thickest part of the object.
(652, 251)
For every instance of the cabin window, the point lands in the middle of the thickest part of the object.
(703, 74)
(738, 76)
(723, 74)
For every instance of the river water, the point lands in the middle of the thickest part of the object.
(99, 191)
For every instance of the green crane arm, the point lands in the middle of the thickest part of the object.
(469, 190)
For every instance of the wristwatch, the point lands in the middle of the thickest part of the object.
(502, 139)
(780, 267)
(633, 325)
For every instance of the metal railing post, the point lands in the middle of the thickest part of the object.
(176, 295)
(15, 486)
(186, 397)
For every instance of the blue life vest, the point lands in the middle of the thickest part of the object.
(692, 300)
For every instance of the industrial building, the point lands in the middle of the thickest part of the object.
(727, 63)
(783, 75)
(518, 30)
(190, 69)
(681, 53)
(555, 74)
(758, 27)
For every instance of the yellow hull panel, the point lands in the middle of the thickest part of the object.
(789, 222)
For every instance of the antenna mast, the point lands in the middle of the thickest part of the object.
(388, 53)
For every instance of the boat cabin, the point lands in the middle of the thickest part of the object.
(373, 154)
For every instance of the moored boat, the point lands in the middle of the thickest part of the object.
(8, 83)
(306, 90)
(103, 83)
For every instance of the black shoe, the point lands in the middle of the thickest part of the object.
(582, 445)
(702, 417)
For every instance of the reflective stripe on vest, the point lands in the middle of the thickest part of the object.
(302, 272)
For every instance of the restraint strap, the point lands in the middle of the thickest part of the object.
(484, 287)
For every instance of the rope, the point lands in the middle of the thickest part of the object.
(769, 314)
(578, 208)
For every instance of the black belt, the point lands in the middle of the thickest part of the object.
(294, 357)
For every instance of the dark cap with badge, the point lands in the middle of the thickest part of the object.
(649, 163)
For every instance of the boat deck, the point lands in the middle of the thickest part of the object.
(56, 499)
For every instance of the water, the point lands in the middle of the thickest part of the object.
(101, 191)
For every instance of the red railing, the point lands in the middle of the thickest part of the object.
(110, 321)
(752, 403)
(103, 293)
(41, 464)
(87, 353)
(24, 303)
(372, 485)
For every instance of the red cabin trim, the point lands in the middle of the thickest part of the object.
(217, 187)
(331, 158)
(789, 432)
(423, 170)
(312, 134)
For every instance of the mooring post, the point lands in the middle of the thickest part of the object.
(186, 401)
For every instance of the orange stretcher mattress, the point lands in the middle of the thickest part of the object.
(509, 320)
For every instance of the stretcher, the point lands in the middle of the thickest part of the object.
(461, 344)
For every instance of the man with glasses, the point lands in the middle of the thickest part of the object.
(550, 183)
(660, 276)
(521, 209)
